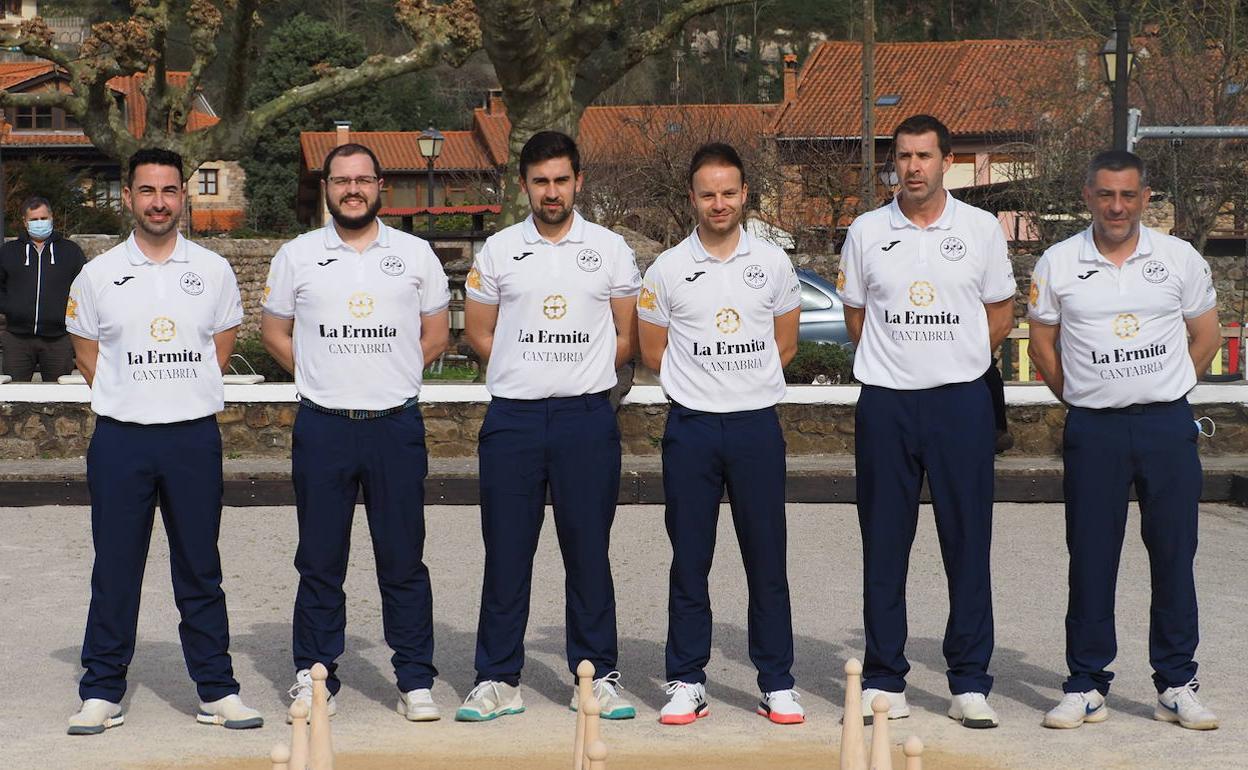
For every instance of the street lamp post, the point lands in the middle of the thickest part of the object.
(1117, 56)
(430, 144)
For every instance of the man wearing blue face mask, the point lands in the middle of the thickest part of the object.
(36, 270)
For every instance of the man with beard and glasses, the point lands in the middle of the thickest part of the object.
(153, 322)
(355, 310)
(552, 308)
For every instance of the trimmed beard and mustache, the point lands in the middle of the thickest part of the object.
(348, 222)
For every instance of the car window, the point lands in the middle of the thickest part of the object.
(813, 299)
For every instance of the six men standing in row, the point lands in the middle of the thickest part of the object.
(357, 309)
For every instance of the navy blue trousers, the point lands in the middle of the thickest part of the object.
(131, 468)
(333, 457)
(1105, 451)
(946, 433)
(702, 453)
(571, 446)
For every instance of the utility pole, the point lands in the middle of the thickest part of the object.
(1122, 76)
(868, 104)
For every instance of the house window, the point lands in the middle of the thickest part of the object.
(13, 7)
(32, 118)
(106, 193)
(208, 181)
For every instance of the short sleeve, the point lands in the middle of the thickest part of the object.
(435, 290)
(279, 288)
(482, 282)
(229, 311)
(850, 283)
(787, 293)
(652, 302)
(1043, 304)
(1199, 295)
(998, 283)
(625, 277)
(81, 315)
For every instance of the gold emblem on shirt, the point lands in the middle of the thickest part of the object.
(71, 309)
(555, 307)
(647, 300)
(727, 320)
(267, 291)
(840, 280)
(474, 279)
(360, 304)
(1126, 325)
(163, 329)
(922, 294)
(1034, 295)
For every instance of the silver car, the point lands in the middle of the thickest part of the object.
(823, 314)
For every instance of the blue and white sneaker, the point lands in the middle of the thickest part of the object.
(1075, 708)
(1180, 704)
(614, 705)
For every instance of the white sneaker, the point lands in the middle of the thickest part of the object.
(781, 707)
(418, 706)
(1075, 708)
(972, 710)
(230, 712)
(613, 704)
(1180, 704)
(302, 690)
(95, 716)
(490, 700)
(687, 704)
(897, 706)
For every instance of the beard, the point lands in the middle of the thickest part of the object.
(553, 217)
(156, 229)
(348, 222)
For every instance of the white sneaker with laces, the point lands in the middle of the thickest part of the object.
(972, 710)
(687, 703)
(1180, 704)
(302, 690)
(95, 716)
(613, 704)
(781, 707)
(897, 706)
(490, 700)
(230, 712)
(1075, 708)
(418, 706)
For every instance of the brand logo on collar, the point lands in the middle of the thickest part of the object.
(554, 307)
(922, 294)
(588, 260)
(163, 329)
(952, 249)
(392, 265)
(192, 284)
(728, 320)
(755, 276)
(1155, 272)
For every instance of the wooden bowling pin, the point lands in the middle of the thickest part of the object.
(280, 756)
(298, 736)
(596, 755)
(913, 749)
(592, 712)
(881, 754)
(853, 742)
(584, 692)
(320, 745)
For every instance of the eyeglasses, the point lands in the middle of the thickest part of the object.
(360, 181)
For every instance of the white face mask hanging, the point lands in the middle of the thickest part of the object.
(1200, 427)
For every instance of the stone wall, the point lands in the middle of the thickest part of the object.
(30, 430)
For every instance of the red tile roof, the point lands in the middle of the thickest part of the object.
(398, 151)
(974, 86)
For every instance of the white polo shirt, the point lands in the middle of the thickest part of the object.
(1123, 334)
(555, 334)
(720, 316)
(154, 323)
(357, 315)
(924, 291)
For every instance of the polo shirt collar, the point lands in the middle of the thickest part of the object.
(334, 241)
(900, 221)
(528, 229)
(136, 256)
(700, 254)
(1090, 253)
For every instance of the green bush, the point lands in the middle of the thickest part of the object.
(836, 362)
(252, 349)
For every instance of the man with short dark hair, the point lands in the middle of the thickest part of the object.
(552, 308)
(929, 292)
(36, 271)
(356, 310)
(153, 322)
(718, 322)
(1124, 323)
